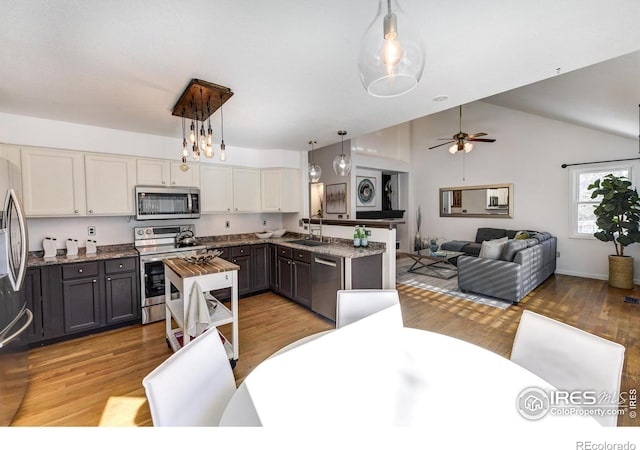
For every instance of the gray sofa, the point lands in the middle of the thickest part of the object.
(482, 234)
(522, 266)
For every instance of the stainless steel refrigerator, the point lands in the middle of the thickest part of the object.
(15, 317)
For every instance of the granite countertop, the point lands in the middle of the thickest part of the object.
(334, 246)
(104, 252)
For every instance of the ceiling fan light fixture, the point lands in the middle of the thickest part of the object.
(391, 58)
(453, 149)
(468, 146)
(342, 162)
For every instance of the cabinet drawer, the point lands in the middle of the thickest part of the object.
(241, 250)
(285, 252)
(301, 255)
(79, 270)
(120, 265)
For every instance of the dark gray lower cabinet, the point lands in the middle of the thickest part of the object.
(260, 267)
(294, 275)
(121, 293)
(69, 299)
(81, 305)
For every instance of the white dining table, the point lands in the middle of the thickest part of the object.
(368, 374)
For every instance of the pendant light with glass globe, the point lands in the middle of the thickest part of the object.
(342, 162)
(315, 171)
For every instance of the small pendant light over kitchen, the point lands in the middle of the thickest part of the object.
(223, 148)
(315, 171)
(391, 54)
(342, 162)
(189, 106)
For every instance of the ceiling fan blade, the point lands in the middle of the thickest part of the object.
(481, 140)
(477, 135)
(440, 145)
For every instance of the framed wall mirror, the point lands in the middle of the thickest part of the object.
(491, 200)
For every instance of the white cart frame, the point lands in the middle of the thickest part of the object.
(176, 308)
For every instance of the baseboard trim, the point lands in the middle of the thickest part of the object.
(595, 276)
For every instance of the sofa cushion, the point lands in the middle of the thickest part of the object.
(512, 247)
(493, 249)
(541, 236)
(488, 234)
(472, 249)
(531, 242)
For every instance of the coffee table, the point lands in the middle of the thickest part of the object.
(439, 264)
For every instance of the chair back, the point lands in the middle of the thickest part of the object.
(570, 359)
(193, 386)
(353, 305)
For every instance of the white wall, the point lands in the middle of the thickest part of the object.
(528, 152)
(31, 131)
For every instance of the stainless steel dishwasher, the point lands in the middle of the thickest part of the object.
(327, 277)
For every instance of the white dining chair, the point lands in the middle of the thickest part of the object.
(355, 304)
(570, 359)
(193, 386)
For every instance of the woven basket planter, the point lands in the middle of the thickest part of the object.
(621, 272)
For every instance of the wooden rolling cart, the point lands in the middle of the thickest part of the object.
(215, 274)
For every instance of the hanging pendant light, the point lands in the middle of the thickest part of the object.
(208, 147)
(391, 54)
(223, 148)
(185, 149)
(342, 162)
(315, 171)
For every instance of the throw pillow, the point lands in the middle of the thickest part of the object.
(492, 249)
(522, 235)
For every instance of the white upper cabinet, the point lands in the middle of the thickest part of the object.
(110, 184)
(216, 188)
(280, 190)
(160, 172)
(190, 178)
(246, 190)
(153, 172)
(10, 176)
(53, 182)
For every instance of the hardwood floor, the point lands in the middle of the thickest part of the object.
(97, 379)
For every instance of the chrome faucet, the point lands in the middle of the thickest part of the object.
(315, 227)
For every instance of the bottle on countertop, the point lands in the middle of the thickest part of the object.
(364, 239)
(356, 236)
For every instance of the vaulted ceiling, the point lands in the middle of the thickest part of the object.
(292, 64)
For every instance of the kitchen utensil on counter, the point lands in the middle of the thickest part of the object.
(91, 247)
(72, 247)
(265, 235)
(49, 245)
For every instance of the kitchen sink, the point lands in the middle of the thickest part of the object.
(308, 242)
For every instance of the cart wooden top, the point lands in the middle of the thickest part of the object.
(185, 269)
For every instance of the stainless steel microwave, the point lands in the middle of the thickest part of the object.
(157, 202)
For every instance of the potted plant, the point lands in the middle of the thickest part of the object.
(618, 221)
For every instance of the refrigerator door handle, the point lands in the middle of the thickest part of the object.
(10, 338)
(18, 278)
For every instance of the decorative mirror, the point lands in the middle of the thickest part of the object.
(493, 200)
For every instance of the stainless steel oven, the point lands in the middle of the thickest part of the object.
(154, 244)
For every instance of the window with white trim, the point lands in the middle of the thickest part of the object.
(583, 220)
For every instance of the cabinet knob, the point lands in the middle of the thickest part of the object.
(236, 209)
(91, 211)
(289, 262)
(94, 281)
(164, 182)
(80, 271)
(173, 182)
(108, 279)
(120, 266)
(235, 260)
(76, 211)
